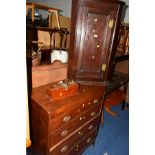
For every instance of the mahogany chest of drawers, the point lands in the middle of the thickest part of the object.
(65, 126)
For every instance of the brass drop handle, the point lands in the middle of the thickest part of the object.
(64, 133)
(64, 148)
(89, 140)
(91, 127)
(66, 119)
(93, 113)
(96, 101)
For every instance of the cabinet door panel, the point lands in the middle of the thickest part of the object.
(93, 45)
(93, 36)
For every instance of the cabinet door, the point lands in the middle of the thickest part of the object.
(92, 34)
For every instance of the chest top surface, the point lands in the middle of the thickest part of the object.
(85, 94)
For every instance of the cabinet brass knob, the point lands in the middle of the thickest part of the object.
(93, 57)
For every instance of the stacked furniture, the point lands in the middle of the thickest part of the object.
(68, 125)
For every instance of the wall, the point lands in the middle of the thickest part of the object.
(65, 6)
(126, 18)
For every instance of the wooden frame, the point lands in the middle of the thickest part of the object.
(43, 7)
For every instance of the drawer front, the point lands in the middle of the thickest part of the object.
(64, 132)
(83, 144)
(66, 145)
(78, 105)
(67, 117)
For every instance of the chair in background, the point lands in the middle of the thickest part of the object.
(116, 91)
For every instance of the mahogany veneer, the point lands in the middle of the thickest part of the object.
(94, 30)
(65, 126)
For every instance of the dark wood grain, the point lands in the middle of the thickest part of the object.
(92, 40)
(65, 121)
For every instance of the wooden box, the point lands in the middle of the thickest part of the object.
(63, 89)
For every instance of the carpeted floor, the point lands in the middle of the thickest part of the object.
(113, 137)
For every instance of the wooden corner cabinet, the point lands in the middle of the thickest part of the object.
(94, 27)
(66, 126)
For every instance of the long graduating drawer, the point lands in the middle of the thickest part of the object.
(64, 146)
(62, 133)
(81, 145)
(65, 118)
(73, 104)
